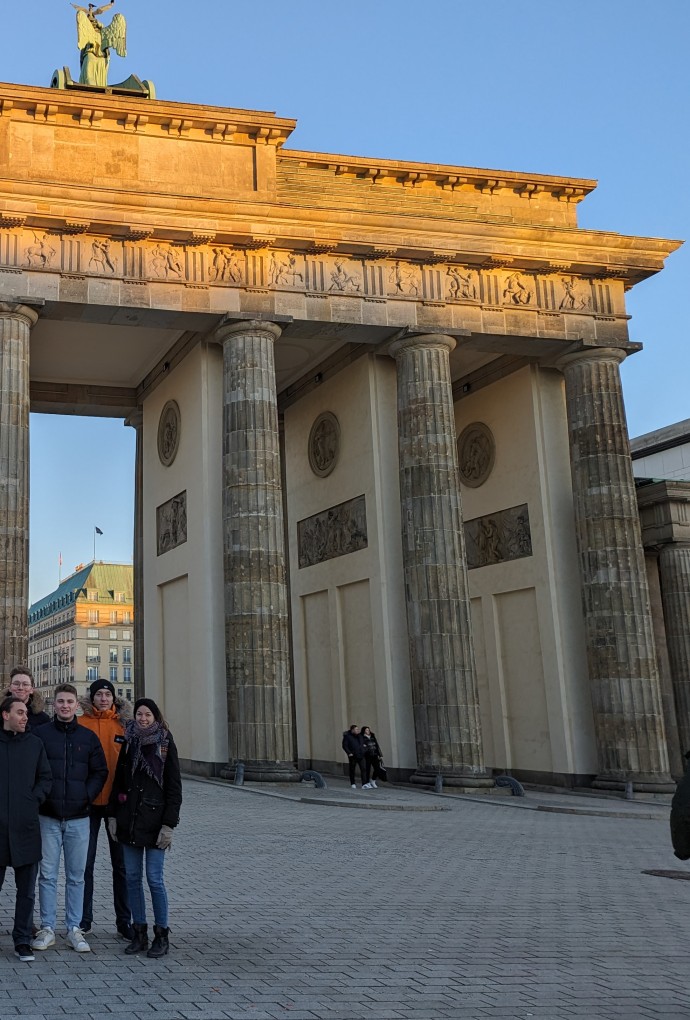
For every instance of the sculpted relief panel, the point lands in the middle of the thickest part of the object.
(334, 532)
(171, 524)
(203, 263)
(497, 538)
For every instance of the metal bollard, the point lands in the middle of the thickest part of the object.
(629, 792)
(438, 783)
(239, 774)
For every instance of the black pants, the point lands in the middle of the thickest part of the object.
(25, 881)
(353, 763)
(371, 768)
(122, 912)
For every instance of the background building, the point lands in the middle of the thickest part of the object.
(664, 453)
(84, 629)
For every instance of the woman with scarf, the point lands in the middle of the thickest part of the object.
(143, 810)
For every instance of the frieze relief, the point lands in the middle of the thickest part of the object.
(316, 272)
(171, 524)
(340, 530)
(499, 537)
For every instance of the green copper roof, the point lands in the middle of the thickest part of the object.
(105, 577)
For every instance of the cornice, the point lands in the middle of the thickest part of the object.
(414, 174)
(96, 111)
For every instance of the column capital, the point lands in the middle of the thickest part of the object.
(245, 327)
(135, 420)
(16, 310)
(421, 341)
(590, 355)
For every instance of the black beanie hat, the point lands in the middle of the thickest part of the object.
(101, 685)
(152, 707)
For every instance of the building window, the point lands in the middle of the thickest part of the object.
(119, 596)
(113, 616)
(113, 655)
(92, 653)
(92, 595)
(127, 674)
(113, 635)
(93, 616)
(91, 674)
(129, 695)
(92, 633)
(113, 675)
(126, 635)
(119, 692)
(127, 655)
(126, 617)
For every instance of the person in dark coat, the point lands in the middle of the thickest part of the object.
(143, 810)
(22, 687)
(354, 749)
(680, 816)
(25, 782)
(79, 773)
(372, 757)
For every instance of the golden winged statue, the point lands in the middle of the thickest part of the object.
(95, 41)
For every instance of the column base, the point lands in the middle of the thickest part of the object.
(453, 777)
(643, 782)
(264, 772)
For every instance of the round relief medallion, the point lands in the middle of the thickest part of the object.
(476, 454)
(169, 433)
(324, 444)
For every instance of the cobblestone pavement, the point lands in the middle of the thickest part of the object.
(307, 911)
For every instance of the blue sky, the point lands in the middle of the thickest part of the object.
(591, 89)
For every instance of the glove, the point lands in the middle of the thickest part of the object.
(164, 841)
(112, 829)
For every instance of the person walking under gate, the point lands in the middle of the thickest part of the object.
(144, 809)
(354, 749)
(25, 782)
(372, 757)
(106, 716)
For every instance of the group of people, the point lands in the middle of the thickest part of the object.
(363, 752)
(61, 779)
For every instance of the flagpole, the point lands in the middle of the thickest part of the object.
(94, 543)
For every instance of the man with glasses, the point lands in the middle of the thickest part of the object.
(22, 687)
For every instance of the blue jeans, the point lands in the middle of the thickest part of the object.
(134, 866)
(70, 837)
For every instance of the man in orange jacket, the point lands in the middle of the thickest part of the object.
(106, 715)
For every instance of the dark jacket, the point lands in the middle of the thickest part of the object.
(37, 717)
(78, 766)
(371, 746)
(352, 744)
(139, 804)
(25, 782)
(680, 815)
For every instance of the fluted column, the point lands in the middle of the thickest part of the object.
(15, 328)
(442, 664)
(623, 670)
(674, 572)
(136, 421)
(256, 603)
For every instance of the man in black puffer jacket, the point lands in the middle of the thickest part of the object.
(79, 773)
(680, 815)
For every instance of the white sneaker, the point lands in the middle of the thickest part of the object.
(367, 786)
(75, 937)
(45, 937)
(353, 787)
(373, 785)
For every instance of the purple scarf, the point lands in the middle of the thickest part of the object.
(149, 748)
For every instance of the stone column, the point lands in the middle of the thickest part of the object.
(15, 327)
(674, 571)
(623, 670)
(256, 603)
(444, 681)
(136, 421)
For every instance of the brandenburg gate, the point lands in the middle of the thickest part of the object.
(382, 465)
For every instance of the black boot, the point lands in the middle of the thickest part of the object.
(160, 944)
(140, 942)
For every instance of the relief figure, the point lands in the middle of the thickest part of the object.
(40, 254)
(225, 266)
(463, 286)
(164, 261)
(100, 257)
(404, 280)
(343, 281)
(516, 290)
